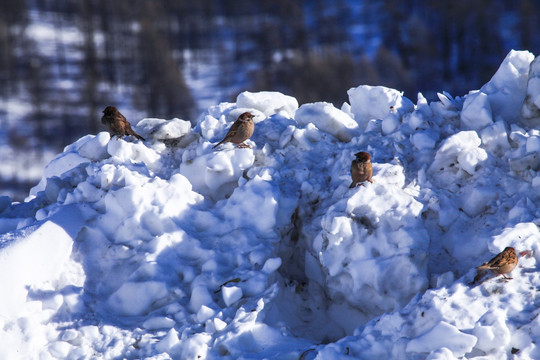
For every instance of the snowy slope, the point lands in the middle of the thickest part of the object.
(172, 249)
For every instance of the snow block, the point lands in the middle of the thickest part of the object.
(530, 111)
(507, 88)
(328, 119)
(267, 102)
(476, 113)
(375, 102)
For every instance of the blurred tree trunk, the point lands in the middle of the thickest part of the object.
(91, 76)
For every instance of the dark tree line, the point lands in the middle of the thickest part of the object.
(133, 52)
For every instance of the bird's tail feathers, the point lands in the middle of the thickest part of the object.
(219, 143)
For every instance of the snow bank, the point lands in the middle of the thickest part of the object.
(172, 249)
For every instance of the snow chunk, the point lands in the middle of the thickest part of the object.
(492, 332)
(216, 174)
(506, 89)
(443, 335)
(200, 296)
(458, 152)
(231, 294)
(137, 298)
(268, 102)
(271, 265)
(424, 140)
(477, 199)
(530, 111)
(476, 112)
(256, 195)
(167, 343)
(328, 119)
(375, 102)
(160, 129)
(127, 152)
(441, 354)
(204, 313)
(160, 322)
(495, 138)
(96, 147)
(61, 164)
(533, 144)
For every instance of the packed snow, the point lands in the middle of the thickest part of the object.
(168, 248)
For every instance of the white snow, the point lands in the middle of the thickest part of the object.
(168, 248)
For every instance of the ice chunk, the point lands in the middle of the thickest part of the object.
(167, 343)
(476, 112)
(271, 265)
(468, 160)
(507, 88)
(458, 152)
(530, 111)
(231, 294)
(328, 119)
(443, 335)
(204, 313)
(267, 102)
(200, 296)
(375, 102)
(495, 138)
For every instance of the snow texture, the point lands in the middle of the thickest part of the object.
(168, 248)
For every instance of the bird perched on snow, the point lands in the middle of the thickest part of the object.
(361, 169)
(503, 263)
(117, 124)
(240, 131)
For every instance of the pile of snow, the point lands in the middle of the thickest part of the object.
(171, 249)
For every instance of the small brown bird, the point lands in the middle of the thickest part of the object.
(503, 263)
(117, 124)
(240, 131)
(361, 169)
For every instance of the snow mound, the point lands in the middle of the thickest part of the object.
(172, 249)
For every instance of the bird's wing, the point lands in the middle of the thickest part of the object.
(234, 129)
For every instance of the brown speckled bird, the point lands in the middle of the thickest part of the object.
(503, 263)
(240, 131)
(117, 124)
(361, 169)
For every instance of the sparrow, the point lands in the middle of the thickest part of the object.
(361, 169)
(117, 124)
(240, 131)
(503, 263)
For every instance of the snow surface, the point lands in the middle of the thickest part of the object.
(170, 249)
